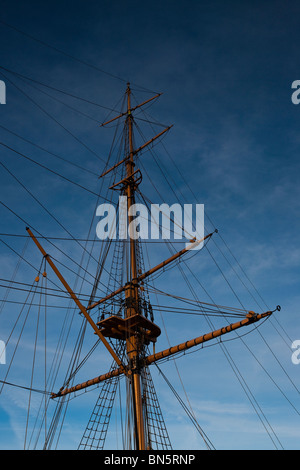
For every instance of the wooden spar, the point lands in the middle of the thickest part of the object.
(113, 167)
(152, 140)
(151, 271)
(89, 383)
(135, 152)
(76, 300)
(250, 318)
(104, 299)
(172, 258)
(130, 110)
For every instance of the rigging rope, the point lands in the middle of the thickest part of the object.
(72, 57)
(206, 440)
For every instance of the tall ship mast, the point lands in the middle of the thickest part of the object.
(123, 320)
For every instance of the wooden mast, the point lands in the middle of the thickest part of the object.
(250, 319)
(133, 343)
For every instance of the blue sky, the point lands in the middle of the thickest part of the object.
(225, 70)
